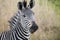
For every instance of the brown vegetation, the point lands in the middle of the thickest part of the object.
(45, 18)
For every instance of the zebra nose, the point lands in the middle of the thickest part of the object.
(24, 16)
(34, 27)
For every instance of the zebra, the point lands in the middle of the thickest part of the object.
(21, 25)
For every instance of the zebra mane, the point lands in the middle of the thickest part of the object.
(14, 20)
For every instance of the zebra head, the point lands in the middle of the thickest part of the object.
(22, 6)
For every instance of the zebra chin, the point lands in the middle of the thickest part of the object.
(33, 28)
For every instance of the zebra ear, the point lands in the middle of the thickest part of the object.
(20, 5)
(31, 4)
(25, 4)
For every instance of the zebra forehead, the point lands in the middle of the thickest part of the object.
(29, 13)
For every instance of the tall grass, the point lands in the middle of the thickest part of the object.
(56, 4)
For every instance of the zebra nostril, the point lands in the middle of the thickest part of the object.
(24, 16)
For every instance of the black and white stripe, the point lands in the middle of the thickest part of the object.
(19, 29)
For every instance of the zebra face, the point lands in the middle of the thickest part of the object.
(30, 16)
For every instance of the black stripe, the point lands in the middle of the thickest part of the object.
(20, 26)
(23, 32)
(16, 34)
(21, 35)
(0, 36)
(13, 35)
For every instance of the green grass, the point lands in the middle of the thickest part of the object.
(56, 4)
(55, 30)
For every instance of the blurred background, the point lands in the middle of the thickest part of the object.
(47, 14)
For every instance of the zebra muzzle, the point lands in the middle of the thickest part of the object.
(34, 27)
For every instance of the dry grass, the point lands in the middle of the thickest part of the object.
(45, 18)
(49, 25)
